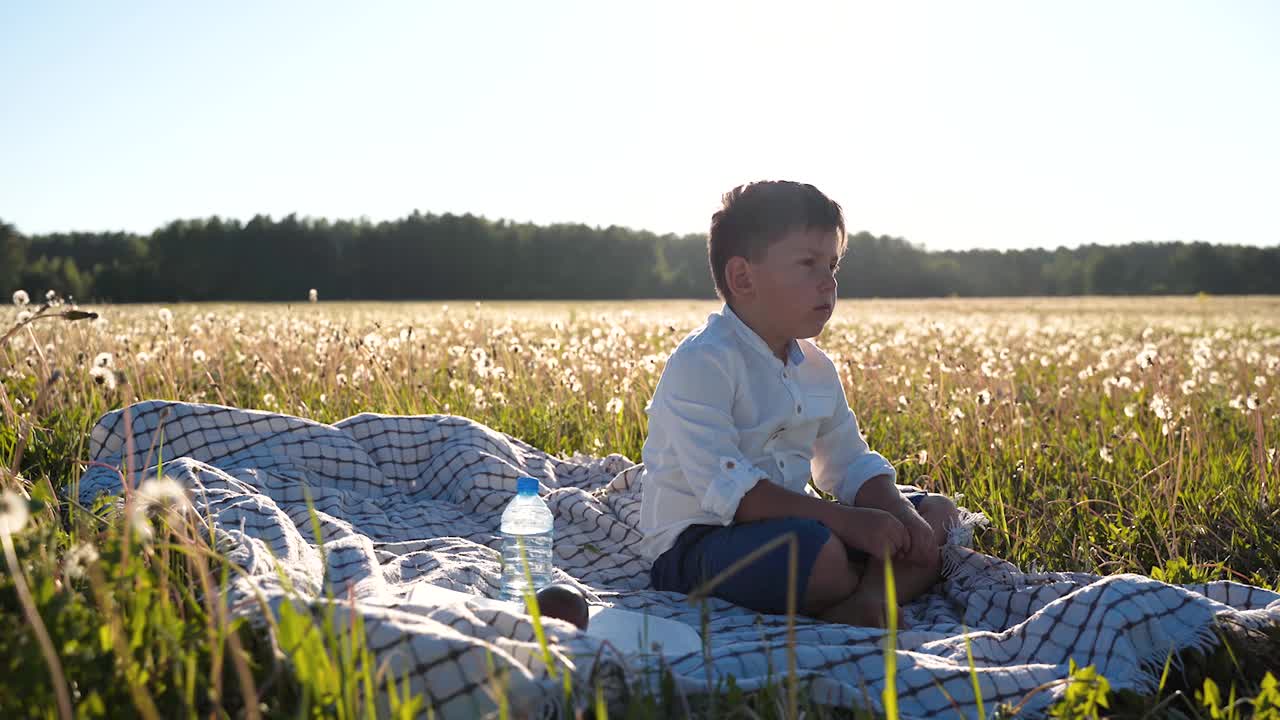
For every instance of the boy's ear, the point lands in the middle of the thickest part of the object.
(737, 275)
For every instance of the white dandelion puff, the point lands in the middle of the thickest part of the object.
(21, 298)
(984, 397)
(312, 295)
(198, 356)
(166, 316)
(1105, 453)
(162, 494)
(614, 405)
(13, 512)
(103, 360)
(1160, 406)
(103, 376)
(1131, 410)
(78, 560)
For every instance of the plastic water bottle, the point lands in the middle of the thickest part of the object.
(528, 521)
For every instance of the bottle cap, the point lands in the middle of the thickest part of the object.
(526, 486)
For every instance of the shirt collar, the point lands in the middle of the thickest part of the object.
(795, 355)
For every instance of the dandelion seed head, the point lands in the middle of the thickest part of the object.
(103, 376)
(163, 494)
(1147, 357)
(78, 560)
(13, 512)
(21, 298)
(1160, 406)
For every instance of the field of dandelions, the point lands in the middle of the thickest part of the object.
(1103, 435)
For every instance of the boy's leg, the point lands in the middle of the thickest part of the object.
(866, 606)
(833, 579)
(704, 552)
(941, 514)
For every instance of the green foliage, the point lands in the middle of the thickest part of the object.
(1086, 695)
(463, 256)
(1266, 706)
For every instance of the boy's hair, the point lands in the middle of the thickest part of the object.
(755, 215)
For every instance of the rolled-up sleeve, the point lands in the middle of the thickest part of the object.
(693, 406)
(842, 461)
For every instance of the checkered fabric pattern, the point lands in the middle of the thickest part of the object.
(402, 500)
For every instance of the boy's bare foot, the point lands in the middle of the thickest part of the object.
(865, 607)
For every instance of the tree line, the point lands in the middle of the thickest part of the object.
(429, 256)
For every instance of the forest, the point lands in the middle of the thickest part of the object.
(431, 256)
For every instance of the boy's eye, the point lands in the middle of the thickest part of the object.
(808, 262)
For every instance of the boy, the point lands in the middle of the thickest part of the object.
(746, 411)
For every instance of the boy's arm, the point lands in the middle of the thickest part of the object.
(843, 465)
(842, 461)
(882, 492)
(870, 529)
(693, 404)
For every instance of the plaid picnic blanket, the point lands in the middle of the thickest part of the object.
(404, 500)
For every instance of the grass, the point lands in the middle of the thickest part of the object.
(1100, 434)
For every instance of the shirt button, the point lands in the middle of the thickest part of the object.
(797, 409)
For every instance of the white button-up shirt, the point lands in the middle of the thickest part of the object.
(727, 412)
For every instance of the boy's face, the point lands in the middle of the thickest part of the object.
(795, 284)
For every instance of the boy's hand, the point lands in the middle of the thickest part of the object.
(923, 548)
(873, 531)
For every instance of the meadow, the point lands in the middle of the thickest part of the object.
(1102, 435)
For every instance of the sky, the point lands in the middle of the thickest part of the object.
(953, 125)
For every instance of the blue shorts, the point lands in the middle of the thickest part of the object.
(704, 551)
